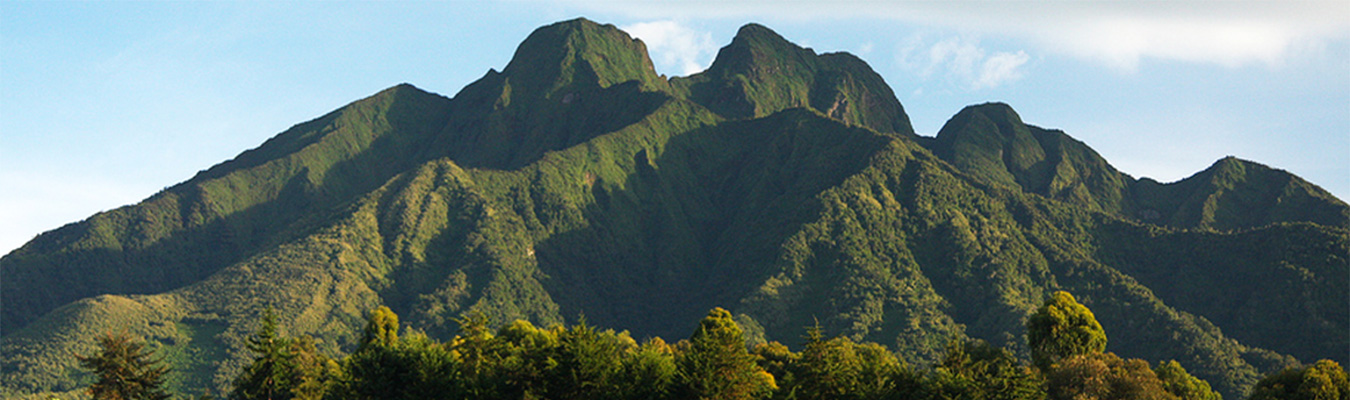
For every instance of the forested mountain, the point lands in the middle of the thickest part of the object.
(783, 185)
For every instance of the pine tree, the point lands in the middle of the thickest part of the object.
(125, 370)
(273, 373)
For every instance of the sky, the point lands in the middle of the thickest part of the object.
(104, 103)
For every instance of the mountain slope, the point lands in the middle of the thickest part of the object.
(782, 184)
(991, 143)
(261, 198)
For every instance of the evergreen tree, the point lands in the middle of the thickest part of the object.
(1061, 328)
(714, 363)
(977, 370)
(386, 367)
(588, 362)
(125, 370)
(315, 371)
(649, 372)
(826, 369)
(274, 372)
(480, 356)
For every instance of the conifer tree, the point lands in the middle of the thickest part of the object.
(715, 364)
(274, 372)
(125, 370)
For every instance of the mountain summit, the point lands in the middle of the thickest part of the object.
(783, 185)
(760, 73)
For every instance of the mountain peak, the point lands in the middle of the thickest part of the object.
(580, 52)
(1234, 193)
(760, 34)
(761, 73)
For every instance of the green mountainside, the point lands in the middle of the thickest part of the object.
(783, 185)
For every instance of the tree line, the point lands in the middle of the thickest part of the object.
(521, 361)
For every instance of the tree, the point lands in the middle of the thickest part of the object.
(1324, 380)
(314, 371)
(274, 373)
(1104, 376)
(649, 371)
(714, 363)
(382, 328)
(588, 363)
(827, 369)
(977, 370)
(1062, 328)
(1182, 384)
(125, 370)
(389, 368)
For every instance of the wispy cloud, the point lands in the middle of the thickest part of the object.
(961, 60)
(1119, 34)
(675, 46)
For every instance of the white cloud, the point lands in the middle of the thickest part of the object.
(962, 61)
(675, 46)
(1001, 68)
(866, 48)
(1116, 33)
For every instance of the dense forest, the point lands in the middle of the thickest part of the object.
(521, 361)
(785, 186)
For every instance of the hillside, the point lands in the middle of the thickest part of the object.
(783, 185)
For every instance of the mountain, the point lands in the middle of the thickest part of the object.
(784, 185)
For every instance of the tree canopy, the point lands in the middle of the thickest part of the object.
(1061, 328)
(125, 370)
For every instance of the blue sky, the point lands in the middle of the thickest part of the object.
(104, 103)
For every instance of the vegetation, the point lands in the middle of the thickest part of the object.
(520, 361)
(1062, 329)
(1322, 380)
(125, 370)
(783, 185)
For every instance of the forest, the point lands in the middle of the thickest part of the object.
(521, 361)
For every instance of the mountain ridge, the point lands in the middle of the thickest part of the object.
(806, 198)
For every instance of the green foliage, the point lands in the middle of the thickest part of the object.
(125, 370)
(285, 368)
(521, 361)
(382, 329)
(1182, 384)
(838, 368)
(1323, 380)
(385, 367)
(272, 374)
(976, 370)
(1061, 329)
(1104, 376)
(714, 364)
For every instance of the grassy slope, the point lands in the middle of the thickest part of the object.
(521, 203)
